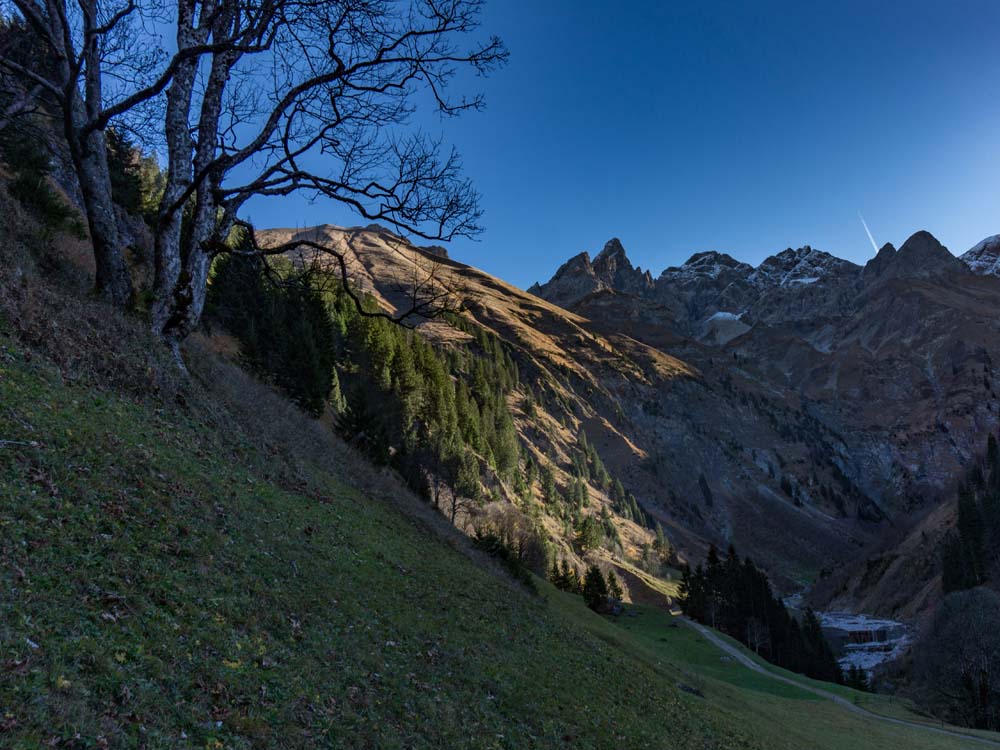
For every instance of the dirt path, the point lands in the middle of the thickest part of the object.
(749, 663)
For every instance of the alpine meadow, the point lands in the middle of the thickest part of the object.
(335, 413)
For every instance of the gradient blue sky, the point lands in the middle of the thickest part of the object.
(746, 127)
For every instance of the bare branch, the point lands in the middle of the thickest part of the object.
(21, 104)
(38, 80)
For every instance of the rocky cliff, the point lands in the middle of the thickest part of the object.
(795, 409)
(889, 364)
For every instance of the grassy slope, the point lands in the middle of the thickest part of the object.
(782, 715)
(163, 584)
(159, 587)
(885, 705)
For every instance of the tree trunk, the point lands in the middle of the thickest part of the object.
(184, 257)
(112, 281)
(89, 153)
(171, 289)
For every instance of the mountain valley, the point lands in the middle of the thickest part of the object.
(802, 410)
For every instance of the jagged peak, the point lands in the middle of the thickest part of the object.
(713, 256)
(924, 249)
(613, 248)
(920, 256)
(710, 263)
(579, 260)
(878, 265)
(804, 265)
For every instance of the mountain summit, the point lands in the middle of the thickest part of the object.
(792, 284)
(921, 256)
(610, 270)
(984, 258)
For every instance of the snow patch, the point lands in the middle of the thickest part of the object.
(721, 315)
(984, 258)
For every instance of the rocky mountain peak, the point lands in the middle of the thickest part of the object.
(614, 268)
(984, 258)
(804, 265)
(579, 276)
(880, 264)
(921, 256)
(708, 264)
(581, 261)
(613, 249)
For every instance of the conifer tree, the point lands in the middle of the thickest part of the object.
(570, 578)
(589, 534)
(614, 587)
(595, 589)
(556, 576)
(660, 544)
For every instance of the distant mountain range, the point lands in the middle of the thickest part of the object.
(791, 409)
(793, 284)
(894, 359)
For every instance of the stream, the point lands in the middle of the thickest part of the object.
(862, 640)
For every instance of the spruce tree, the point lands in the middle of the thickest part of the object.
(595, 589)
(614, 587)
(589, 534)
(555, 575)
(660, 545)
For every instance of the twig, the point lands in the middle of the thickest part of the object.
(30, 444)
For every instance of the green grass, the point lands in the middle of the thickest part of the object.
(884, 705)
(159, 587)
(165, 583)
(783, 715)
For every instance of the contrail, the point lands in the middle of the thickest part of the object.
(868, 232)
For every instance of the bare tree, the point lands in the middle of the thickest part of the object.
(957, 662)
(758, 634)
(91, 63)
(262, 98)
(313, 97)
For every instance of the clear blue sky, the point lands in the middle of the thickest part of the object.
(746, 127)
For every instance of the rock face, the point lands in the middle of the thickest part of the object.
(984, 258)
(878, 351)
(788, 409)
(578, 276)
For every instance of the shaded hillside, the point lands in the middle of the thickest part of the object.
(953, 547)
(206, 591)
(196, 563)
(707, 446)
